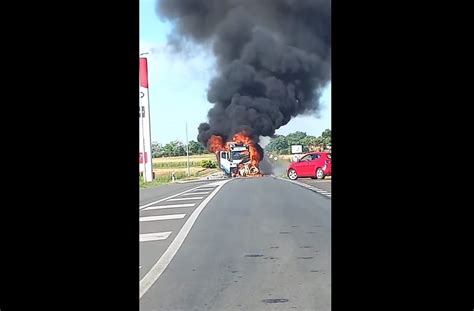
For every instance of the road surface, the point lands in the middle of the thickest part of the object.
(240, 244)
(324, 184)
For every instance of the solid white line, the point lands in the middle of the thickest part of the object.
(312, 188)
(162, 217)
(167, 198)
(190, 198)
(150, 278)
(154, 236)
(169, 206)
(194, 193)
(205, 188)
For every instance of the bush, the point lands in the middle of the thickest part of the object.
(208, 164)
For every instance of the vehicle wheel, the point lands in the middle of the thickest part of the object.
(292, 174)
(320, 173)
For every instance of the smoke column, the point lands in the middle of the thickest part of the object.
(273, 59)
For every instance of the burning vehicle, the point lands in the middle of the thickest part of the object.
(237, 158)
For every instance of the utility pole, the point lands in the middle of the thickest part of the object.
(187, 147)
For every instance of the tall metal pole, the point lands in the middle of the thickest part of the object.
(187, 147)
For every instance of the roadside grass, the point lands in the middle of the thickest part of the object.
(163, 170)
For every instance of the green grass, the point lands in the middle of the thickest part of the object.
(176, 164)
(194, 158)
(161, 179)
(164, 167)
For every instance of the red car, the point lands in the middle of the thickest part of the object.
(314, 165)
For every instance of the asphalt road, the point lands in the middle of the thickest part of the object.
(148, 195)
(324, 184)
(258, 244)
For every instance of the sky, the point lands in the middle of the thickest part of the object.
(178, 86)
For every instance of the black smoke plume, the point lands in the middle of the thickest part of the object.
(273, 59)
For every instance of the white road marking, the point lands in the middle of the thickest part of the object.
(162, 217)
(150, 278)
(196, 193)
(205, 188)
(167, 198)
(169, 206)
(190, 198)
(157, 236)
(312, 188)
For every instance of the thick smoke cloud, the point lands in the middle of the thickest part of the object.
(273, 59)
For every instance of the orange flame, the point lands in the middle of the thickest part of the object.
(255, 156)
(215, 143)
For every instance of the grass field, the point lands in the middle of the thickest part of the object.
(178, 162)
(194, 158)
(164, 168)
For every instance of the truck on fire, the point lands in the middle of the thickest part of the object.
(236, 161)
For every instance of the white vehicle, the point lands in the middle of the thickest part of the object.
(236, 160)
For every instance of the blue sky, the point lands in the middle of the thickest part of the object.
(178, 86)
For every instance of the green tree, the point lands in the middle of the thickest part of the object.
(277, 144)
(296, 138)
(326, 137)
(310, 141)
(156, 150)
(174, 148)
(196, 148)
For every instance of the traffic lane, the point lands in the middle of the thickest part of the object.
(260, 243)
(151, 251)
(324, 184)
(148, 195)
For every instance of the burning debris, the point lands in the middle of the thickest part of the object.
(247, 169)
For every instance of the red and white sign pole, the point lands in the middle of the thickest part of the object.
(145, 124)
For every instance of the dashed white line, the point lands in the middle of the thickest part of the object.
(167, 198)
(196, 193)
(150, 278)
(169, 206)
(205, 188)
(190, 198)
(157, 236)
(162, 217)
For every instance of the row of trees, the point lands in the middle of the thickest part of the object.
(282, 144)
(176, 148)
